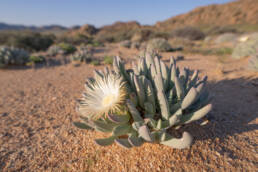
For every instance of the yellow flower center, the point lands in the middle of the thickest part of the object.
(106, 101)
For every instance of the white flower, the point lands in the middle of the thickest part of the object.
(105, 94)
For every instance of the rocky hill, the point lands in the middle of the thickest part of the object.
(235, 13)
(240, 12)
(4, 26)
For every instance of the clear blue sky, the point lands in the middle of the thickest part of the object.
(97, 12)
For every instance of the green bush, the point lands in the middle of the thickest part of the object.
(30, 41)
(95, 44)
(37, 59)
(76, 39)
(95, 62)
(67, 48)
(223, 51)
(188, 32)
(216, 30)
(108, 60)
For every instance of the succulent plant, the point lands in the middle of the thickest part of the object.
(13, 56)
(82, 55)
(141, 104)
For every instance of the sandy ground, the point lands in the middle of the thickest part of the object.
(37, 108)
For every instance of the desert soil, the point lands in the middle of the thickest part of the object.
(37, 108)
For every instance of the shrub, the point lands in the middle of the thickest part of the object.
(143, 104)
(188, 32)
(76, 39)
(82, 55)
(108, 60)
(223, 51)
(13, 56)
(67, 48)
(159, 44)
(30, 41)
(95, 62)
(95, 44)
(37, 59)
(141, 35)
(221, 30)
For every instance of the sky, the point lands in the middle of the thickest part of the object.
(96, 12)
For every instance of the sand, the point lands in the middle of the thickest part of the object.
(37, 108)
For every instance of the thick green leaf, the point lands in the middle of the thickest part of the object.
(119, 119)
(136, 125)
(121, 130)
(144, 132)
(135, 141)
(123, 143)
(196, 115)
(82, 125)
(179, 89)
(140, 91)
(181, 143)
(149, 109)
(134, 112)
(103, 126)
(150, 93)
(162, 124)
(175, 118)
(105, 141)
(189, 98)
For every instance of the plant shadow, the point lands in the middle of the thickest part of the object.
(235, 106)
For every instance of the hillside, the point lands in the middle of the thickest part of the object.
(233, 13)
(5, 26)
(237, 13)
(240, 14)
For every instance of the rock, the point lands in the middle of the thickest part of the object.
(247, 48)
(226, 37)
(159, 44)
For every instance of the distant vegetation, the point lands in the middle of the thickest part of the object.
(220, 30)
(28, 40)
